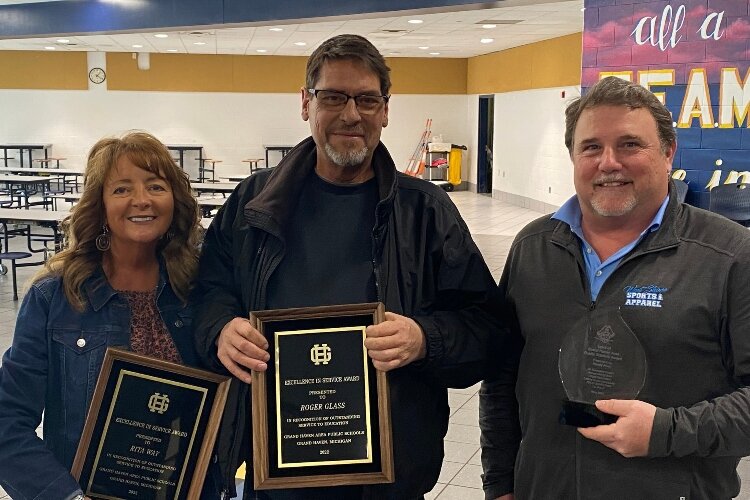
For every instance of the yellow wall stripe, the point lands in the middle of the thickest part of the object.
(27, 69)
(412, 75)
(550, 63)
(259, 74)
(206, 73)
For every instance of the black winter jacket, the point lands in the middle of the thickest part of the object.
(426, 267)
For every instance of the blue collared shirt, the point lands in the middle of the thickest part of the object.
(597, 271)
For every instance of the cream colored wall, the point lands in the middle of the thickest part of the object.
(531, 165)
(235, 104)
(231, 126)
(530, 158)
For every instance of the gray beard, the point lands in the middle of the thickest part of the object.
(348, 159)
(603, 211)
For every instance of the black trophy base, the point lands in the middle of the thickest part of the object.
(579, 414)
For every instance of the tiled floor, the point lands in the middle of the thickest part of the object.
(493, 225)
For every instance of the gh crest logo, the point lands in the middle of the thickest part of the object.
(320, 353)
(158, 403)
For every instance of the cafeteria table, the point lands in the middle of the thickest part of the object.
(22, 186)
(281, 149)
(22, 148)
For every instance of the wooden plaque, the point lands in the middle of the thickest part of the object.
(321, 412)
(150, 429)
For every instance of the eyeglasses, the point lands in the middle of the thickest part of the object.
(336, 101)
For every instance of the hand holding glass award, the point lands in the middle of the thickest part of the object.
(600, 358)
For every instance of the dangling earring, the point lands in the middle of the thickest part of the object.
(103, 240)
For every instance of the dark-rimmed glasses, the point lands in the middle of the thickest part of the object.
(336, 101)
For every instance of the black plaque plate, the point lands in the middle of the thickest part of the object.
(150, 429)
(320, 413)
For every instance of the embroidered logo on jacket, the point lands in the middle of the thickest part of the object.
(644, 296)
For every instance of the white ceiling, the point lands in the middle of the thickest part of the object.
(442, 34)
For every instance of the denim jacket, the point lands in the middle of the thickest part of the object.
(52, 366)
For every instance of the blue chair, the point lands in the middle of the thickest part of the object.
(732, 201)
(12, 257)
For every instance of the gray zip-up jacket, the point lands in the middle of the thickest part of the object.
(691, 313)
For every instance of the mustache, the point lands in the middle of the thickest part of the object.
(352, 130)
(611, 178)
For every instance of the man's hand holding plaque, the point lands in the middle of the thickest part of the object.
(600, 359)
(240, 347)
(395, 342)
(321, 413)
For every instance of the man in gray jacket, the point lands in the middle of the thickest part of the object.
(678, 278)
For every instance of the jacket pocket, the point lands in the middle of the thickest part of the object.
(79, 355)
(649, 480)
(542, 474)
(75, 361)
(184, 320)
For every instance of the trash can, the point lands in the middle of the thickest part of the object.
(454, 164)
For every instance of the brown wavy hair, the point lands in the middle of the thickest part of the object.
(348, 47)
(178, 249)
(614, 91)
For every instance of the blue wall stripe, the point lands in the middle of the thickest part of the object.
(91, 16)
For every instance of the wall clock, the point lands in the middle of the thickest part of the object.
(97, 75)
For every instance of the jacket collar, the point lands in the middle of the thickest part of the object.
(98, 290)
(664, 237)
(273, 206)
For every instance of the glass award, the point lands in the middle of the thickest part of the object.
(600, 358)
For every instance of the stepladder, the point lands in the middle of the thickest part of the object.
(415, 167)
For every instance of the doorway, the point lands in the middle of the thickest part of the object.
(486, 134)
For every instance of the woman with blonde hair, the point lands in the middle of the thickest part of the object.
(122, 280)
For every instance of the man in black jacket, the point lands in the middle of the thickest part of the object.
(336, 223)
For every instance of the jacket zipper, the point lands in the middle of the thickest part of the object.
(265, 274)
(377, 234)
(592, 306)
(376, 267)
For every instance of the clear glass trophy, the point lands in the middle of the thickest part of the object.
(600, 358)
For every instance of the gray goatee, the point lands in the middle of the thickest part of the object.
(348, 158)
